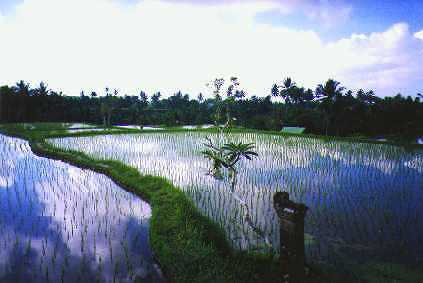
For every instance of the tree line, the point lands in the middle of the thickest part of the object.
(330, 109)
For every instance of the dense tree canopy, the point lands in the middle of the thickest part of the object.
(329, 109)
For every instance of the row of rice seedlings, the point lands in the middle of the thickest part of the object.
(362, 197)
(64, 224)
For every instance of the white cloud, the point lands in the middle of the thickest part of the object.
(387, 61)
(330, 13)
(164, 46)
(419, 35)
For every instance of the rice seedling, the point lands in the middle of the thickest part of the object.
(58, 223)
(364, 199)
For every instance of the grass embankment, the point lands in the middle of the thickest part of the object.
(117, 131)
(188, 245)
(55, 130)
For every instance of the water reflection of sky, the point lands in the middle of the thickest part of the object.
(60, 222)
(364, 199)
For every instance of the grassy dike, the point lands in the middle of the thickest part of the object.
(188, 246)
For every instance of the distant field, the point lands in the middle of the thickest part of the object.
(364, 199)
(55, 126)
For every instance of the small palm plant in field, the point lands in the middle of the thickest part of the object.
(226, 156)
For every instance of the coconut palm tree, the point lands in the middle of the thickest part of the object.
(330, 90)
(23, 90)
(232, 95)
(286, 91)
(40, 99)
(328, 93)
(42, 90)
(367, 98)
(107, 106)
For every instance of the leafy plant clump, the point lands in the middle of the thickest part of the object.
(228, 155)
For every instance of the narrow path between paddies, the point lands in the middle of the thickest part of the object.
(59, 223)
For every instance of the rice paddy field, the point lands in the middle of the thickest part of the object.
(59, 223)
(365, 200)
(86, 130)
(56, 126)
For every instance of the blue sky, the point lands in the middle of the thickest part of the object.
(7, 5)
(364, 17)
(171, 45)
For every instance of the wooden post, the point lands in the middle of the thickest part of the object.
(291, 219)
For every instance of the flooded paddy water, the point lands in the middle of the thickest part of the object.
(365, 200)
(59, 223)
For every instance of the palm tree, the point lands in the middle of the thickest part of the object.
(200, 97)
(107, 107)
(22, 89)
(367, 98)
(286, 91)
(308, 95)
(328, 93)
(42, 90)
(40, 98)
(330, 90)
(297, 95)
(274, 92)
(232, 95)
(227, 156)
(361, 94)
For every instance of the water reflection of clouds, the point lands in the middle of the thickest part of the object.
(5, 181)
(340, 181)
(359, 158)
(54, 216)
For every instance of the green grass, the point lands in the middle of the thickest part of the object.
(188, 245)
(47, 126)
(51, 131)
(379, 272)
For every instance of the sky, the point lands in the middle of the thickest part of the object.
(171, 45)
